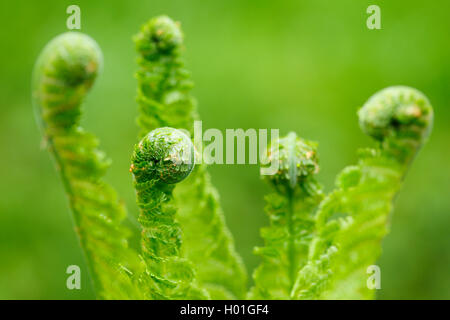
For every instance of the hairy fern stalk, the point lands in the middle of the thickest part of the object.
(317, 245)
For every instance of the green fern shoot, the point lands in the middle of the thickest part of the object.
(164, 98)
(317, 245)
(290, 209)
(353, 219)
(64, 73)
(162, 158)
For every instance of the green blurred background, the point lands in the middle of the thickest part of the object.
(295, 65)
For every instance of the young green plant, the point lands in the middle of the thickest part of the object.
(161, 159)
(353, 219)
(290, 209)
(316, 247)
(64, 73)
(164, 99)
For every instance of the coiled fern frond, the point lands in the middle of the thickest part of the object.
(162, 158)
(353, 219)
(64, 73)
(164, 99)
(291, 212)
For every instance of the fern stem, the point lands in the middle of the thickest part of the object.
(291, 244)
(291, 142)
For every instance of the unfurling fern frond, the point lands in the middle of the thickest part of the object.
(352, 220)
(291, 212)
(162, 158)
(64, 72)
(164, 99)
(316, 246)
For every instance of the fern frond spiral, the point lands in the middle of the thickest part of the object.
(354, 218)
(63, 74)
(162, 158)
(165, 99)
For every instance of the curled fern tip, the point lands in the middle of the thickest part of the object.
(75, 58)
(400, 112)
(160, 35)
(166, 154)
(297, 159)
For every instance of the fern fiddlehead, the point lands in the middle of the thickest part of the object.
(353, 219)
(290, 209)
(63, 74)
(164, 99)
(162, 158)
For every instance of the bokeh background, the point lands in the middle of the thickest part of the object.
(295, 65)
